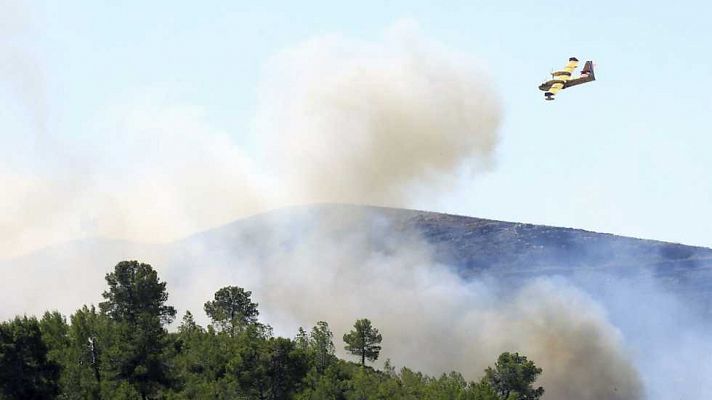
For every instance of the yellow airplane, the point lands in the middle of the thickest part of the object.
(562, 79)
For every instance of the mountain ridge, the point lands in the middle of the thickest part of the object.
(439, 228)
(473, 247)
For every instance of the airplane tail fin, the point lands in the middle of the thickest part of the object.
(586, 76)
(587, 70)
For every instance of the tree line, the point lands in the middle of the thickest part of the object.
(123, 350)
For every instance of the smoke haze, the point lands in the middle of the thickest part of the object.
(338, 120)
(21, 71)
(343, 268)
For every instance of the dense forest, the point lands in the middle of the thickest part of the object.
(123, 350)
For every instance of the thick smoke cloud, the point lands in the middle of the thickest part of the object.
(338, 120)
(345, 266)
(365, 122)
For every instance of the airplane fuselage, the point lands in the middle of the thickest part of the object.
(571, 82)
(562, 79)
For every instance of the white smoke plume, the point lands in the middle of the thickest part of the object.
(338, 120)
(361, 122)
(155, 172)
(344, 267)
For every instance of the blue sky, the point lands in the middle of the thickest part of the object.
(628, 154)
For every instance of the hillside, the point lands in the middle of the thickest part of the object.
(472, 246)
(476, 245)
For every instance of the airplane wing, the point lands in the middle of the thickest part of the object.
(560, 77)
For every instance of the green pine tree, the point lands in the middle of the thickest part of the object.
(26, 370)
(513, 376)
(321, 342)
(135, 303)
(364, 341)
(232, 310)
